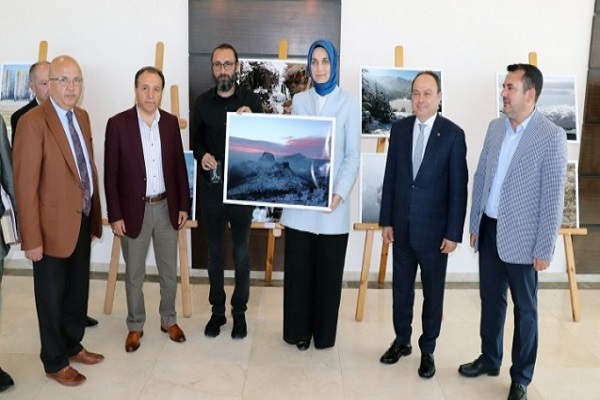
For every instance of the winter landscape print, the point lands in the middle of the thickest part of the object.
(278, 161)
(558, 102)
(386, 97)
(275, 81)
(372, 170)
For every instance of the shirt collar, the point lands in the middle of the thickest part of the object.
(522, 126)
(156, 116)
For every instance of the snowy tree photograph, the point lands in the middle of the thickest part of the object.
(386, 97)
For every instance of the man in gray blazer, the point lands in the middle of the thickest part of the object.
(516, 212)
(6, 180)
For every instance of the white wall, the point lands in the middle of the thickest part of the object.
(469, 39)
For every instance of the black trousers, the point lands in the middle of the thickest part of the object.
(313, 272)
(215, 216)
(61, 287)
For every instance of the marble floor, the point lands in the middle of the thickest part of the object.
(262, 366)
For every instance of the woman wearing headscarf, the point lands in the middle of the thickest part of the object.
(316, 241)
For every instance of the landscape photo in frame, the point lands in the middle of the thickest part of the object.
(558, 102)
(279, 160)
(372, 170)
(275, 81)
(386, 97)
(571, 207)
(191, 166)
(14, 90)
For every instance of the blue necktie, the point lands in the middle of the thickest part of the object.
(418, 157)
(81, 166)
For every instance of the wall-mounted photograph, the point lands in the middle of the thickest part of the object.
(372, 169)
(558, 102)
(278, 160)
(571, 208)
(275, 81)
(192, 170)
(386, 97)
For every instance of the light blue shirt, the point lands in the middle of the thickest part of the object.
(509, 146)
(62, 115)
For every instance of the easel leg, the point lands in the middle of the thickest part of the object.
(570, 254)
(185, 274)
(383, 262)
(364, 276)
(270, 255)
(113, 267)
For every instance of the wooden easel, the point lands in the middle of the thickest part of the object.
(113, 267)
(371, 228)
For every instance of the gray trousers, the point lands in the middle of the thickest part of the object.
(156, 226)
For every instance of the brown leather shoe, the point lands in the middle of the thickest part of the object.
(133, 340)
(87, 357)
(67, 376)
(175, 332)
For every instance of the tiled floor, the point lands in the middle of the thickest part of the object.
(262, 366)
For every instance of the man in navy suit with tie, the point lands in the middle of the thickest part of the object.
(422, 212)
(518, 195)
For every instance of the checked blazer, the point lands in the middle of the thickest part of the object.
(433, 206)
(532, 194)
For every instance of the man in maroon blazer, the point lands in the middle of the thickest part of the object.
(147, 197)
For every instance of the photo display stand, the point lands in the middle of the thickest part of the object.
(113, 266)
(567, 234)
(371, 228)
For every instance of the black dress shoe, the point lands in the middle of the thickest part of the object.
(6, 382)
(240, 329)
(396, 350)
(476, 368)
(518, 391)
(89, 321)
(427, 367)
(303, 345)
(213, 327)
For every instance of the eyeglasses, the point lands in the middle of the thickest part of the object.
(64, 81)
(228, 65)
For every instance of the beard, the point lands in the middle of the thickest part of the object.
(225, 82)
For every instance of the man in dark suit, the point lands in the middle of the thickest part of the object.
(518, 198)
(39, 85)
(6, 181)
(56, 189)
(147, 197)
(422, 212)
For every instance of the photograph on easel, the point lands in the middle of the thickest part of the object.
(372, 169)
(558, 102)
(14, 90)
(191, 166)
(275, 81)
(571, 207)
(386, 97)
(279, 161)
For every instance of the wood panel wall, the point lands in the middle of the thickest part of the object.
(254, 28)
(587, 248)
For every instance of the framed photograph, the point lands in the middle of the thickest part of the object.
(372, 169)
(558, 102)
(386, 97)
(192, 170)
(275, 81)
(14, 89)
(571, 208)
(278, 160)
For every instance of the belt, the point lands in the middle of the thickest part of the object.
(155, 198)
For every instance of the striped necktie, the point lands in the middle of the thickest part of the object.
(81, 166)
